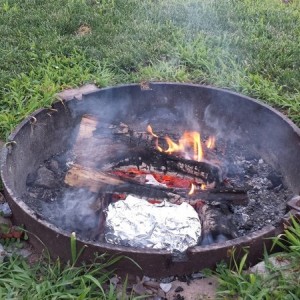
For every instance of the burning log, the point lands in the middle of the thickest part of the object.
(204, 170)
(121, 146)
(95, 145)
(83, 177)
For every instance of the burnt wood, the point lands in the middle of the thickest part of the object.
(96, 181)
(97, 144)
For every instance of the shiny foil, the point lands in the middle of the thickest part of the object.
(137, 223)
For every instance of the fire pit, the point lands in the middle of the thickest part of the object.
(230, 160)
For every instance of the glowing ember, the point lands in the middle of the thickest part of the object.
(169, 181)
(203, 187)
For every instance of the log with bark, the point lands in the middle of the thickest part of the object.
(95, 181)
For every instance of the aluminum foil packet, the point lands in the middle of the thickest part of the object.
(137, 223)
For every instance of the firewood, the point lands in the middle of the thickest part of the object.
(84, 177)
(87, 126)
(230, 196)
(94, 144)
(98, 144)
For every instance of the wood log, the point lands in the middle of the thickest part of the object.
(84, 177)
(87, 126)
(97, 143)
(94, 144)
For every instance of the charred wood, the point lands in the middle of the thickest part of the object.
(121, 146)
(95, 181)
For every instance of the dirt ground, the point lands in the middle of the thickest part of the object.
(198, 289)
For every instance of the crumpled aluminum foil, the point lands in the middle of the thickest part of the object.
(137, 223)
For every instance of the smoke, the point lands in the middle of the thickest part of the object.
(225, 127)
(73, 211)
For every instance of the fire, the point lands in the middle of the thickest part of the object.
(211, 142)
(192, 190)
(189, 144)
(149, 130)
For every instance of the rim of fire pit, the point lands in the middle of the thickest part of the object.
(154, 262)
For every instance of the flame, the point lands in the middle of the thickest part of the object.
(149, 130)
(203, 186)
(189, 142)
(192, 190)
(211, 142)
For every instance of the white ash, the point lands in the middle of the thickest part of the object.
(267, 196)
(152, 181)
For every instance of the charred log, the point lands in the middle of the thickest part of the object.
(118, 146)
(232, 196)
(96, 181)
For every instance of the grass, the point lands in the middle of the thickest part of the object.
(48, 279)
(280, 282)
(52, 280)
(249, 46)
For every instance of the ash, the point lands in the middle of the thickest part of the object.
(267, 196)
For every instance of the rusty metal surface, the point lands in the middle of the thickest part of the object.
(294, 203)
(28, 149)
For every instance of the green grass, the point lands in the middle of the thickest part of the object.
(48, 279)
(247, 46)
(281, 282)
(52, 280)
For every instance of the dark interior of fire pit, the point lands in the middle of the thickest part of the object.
(68, 164)
(242, 192)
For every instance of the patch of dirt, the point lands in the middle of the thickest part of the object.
(83, 30)
(196, 289)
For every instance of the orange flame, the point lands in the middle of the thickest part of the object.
(189, 142)
(203, 186)
(211, 142)
(192, 190)
(149, 130)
